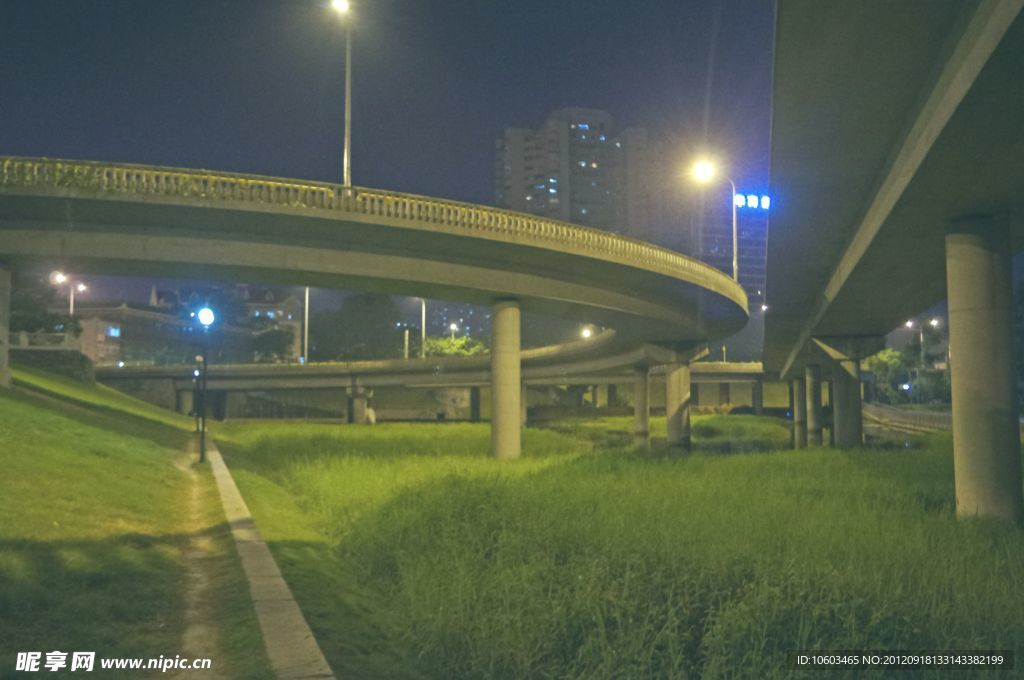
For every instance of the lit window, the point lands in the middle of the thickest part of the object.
(289, 317)
(257, 313)
(270, 315)
(593, 164)
(113, 331)
(583, 164)
(618, 145)
(583, 211)
(766, 202)
(529, 198)
(602, 138)
(584, 126)
(552, 190)
(553, 180)
(739, 200)
(751, 201)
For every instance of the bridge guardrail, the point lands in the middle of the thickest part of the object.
(129, 179)
(24, 340)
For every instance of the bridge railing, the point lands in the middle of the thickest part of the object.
(485, 221)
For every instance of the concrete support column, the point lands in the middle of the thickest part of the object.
(5, 326)
(613, 396)
(184, 402)
(814, 416)
(986, 431)
(522, 401)
(506, 381)
(474, 404)
(799, 414)
(641, 408)
(847, 423)
(357, 405)
(757, 397)
(677, 404)
(724, 394)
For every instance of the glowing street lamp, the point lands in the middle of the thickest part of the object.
(587, 332)
(344, 9)
(60, 278)
(453, 327)
(704, 172)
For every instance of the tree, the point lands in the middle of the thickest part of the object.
(34, 305)
(463, 346)
(366, 327)
(273, 343)
(888, 367)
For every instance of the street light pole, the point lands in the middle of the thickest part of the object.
(347, 170)
(703, 172)
(423, 328)
(735, 236)
(305, 329)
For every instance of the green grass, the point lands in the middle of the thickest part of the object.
(97, 397)
(414, 555)
(94, 526)
(710, 433)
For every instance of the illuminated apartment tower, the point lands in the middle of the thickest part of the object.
(576, 167)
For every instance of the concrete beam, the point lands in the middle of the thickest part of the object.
(986, 430)
(506, 381)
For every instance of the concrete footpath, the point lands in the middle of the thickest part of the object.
(293, 651)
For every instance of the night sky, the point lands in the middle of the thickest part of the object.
(256, 85)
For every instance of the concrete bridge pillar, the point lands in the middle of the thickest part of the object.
(799, 414)
(814, 416)
(757, 397)
(474, 404)
(986, 430)
(613, 395)
(506, 381)
(185, 401)
(847, 421)
(641, 408)
(357, 404)
(5, 326)
(523, 405)
(724, 394)
(677, 404)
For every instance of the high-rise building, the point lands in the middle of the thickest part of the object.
(576, 167)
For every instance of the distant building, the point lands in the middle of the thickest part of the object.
(578, 168)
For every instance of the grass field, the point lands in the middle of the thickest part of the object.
(95, 526)
(414, 555)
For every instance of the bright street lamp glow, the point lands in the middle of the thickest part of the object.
(341, 6)
(453, 326)
(703, 172)
(586, 333)
(206, 316)
(934, 323)
(909, 323)
(764, 308)
(82, 288)
(58, 277)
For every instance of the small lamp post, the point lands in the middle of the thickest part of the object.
(206, 317)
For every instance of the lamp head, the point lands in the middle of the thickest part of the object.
(341, 6)
(206, 316)
(703, 171)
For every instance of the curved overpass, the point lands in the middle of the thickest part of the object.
(153, 221)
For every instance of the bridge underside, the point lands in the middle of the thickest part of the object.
(897, 149)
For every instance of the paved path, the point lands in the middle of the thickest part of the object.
(293, 651)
